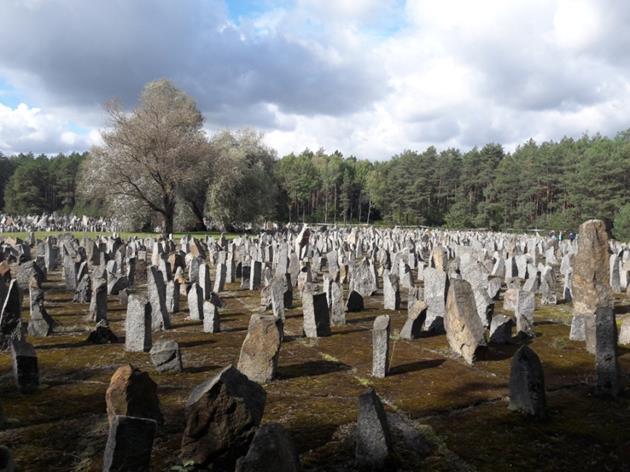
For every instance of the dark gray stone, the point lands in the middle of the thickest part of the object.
(166, 356)
(223, 414)
(129, 444)
(609, 377)
(316, 315)
(501, 329)
(415, 318)
(373, 437)
(25, 369)
(354, 302)
(271, 450)
(527, 383)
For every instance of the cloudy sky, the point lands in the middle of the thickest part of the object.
(366, 77)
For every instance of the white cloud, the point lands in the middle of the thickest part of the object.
(366, 77)
(25, 129)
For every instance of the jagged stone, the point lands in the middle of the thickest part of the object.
(131, 392)
(166, 356)
(527, 383)
(261, 348)
(223, 415)
(271, 450)
(415, 318)
(464, 331)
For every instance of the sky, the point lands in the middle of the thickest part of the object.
(369, 78)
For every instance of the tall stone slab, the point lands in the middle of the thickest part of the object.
(316, 315)
(261, 348)
(380, 346)
(590, 278)
(157, 297)
(138, 324)
(464, 330)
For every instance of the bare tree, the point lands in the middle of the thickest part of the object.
(148, 154)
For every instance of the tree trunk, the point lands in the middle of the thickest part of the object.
(198, 212)
(169, 218)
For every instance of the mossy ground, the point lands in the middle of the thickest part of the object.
(462, 409)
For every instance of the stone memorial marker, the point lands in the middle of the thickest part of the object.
(380, 346)
(129, 444)
(261, 348)
(464, 331)
(373, 438)
(138, 324)
(527, 383)
(316, 315)
(223, 414)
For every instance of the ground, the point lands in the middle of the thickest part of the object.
(461, 410)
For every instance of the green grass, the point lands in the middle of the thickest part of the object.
(124, 235)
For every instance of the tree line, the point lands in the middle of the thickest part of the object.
(157, 167)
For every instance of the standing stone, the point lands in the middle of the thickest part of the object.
(415, 317)
(157, 297)
(501, 329)
(195, 302)
(70, 268)
(211, 320)
(230, 269)
(363, 278)
(609, 379)
(10, 314)
(102, 334)
(25, 369)
(166, 356)
(435, 289)
(261, 349)
(294, 268)
(131, 392)
(83, 292)
(204, 281)
(548, 286)
(271, 450)
(98, 300)
(624, 333)
(373, 437)
(278, 290)
(525, 306)
(590, 278)
(172, 296)
(391, 291)
(219, 281)
(316, 315)
(129, 444)
(334, 296)
(255, 275)
(223, 415)
(116, 283)
(509, 299)
(354, 302)
(527, 383)
(464, 331)
(615, 273)
(138, 324)
(439, 258)
(380, 346)
(40, 323)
